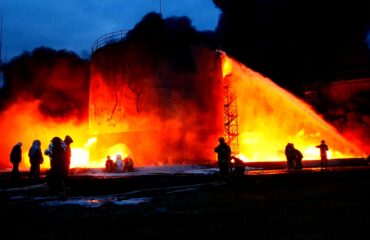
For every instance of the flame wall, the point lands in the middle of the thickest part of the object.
(270, 117)
(166, 107)
(45, 94)
(160, 105)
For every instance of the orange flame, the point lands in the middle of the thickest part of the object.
(270, 117)
(24, 123)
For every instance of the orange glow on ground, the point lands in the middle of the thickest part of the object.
(270, 117)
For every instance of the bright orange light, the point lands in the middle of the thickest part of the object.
(270, 117)
(242, 157)
(79, 158)
(28, 124)
(113, 151)
(90, 142)
(226, 65)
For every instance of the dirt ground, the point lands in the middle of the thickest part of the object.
(304, 204)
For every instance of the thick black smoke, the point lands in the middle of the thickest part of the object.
(173, 30)
(297, 42)
(174, 36)
(58, 79)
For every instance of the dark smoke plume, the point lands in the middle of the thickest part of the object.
(296, 42)
(173, 35)
(58, 79)
(173, 30)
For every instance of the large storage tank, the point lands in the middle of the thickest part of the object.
(165, 104)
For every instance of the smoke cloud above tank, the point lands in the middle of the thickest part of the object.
(297, 42)
(58, 79)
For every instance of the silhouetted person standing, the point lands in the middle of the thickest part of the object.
(223, 156)
(289, 153)
(298, 156)
(324, 159)
(128, 164)
(57, 174)
(119, 163)
(67, 141)
(36, 158)
(109, 165)
(16, 158)
(294, 157)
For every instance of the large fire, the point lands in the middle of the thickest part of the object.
(22, 122)
(270, 117)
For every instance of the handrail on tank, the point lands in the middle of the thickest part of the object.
(108, 38)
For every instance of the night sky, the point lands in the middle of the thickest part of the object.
(291, 42)
(75, 25)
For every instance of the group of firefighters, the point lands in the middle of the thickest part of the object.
(294, 156)
(227, 162)
(125, 165)
(59, 152)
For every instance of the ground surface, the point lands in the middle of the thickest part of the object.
(263, 204)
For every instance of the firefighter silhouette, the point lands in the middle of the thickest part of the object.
(223, 156)
(289, 153)
(294, 157)
(324, 158)
(57, 174)
(16, 158)
(128, 164)
(239, 166)
(36, 158)
(67, 141)
(119, 163)
(109, 165)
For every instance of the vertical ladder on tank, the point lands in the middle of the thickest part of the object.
(231, 126)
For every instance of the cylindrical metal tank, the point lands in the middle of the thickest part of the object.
(164, 103)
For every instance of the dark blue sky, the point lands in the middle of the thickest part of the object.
(76, 24)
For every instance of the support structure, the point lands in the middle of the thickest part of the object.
(231, 126)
